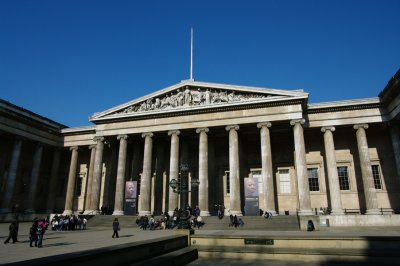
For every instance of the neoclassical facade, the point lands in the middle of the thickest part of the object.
(342, 156)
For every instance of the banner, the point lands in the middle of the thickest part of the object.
(251, 207)
(130, 197)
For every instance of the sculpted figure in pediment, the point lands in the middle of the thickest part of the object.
(179, 96)
(187, 97)
(208, 96)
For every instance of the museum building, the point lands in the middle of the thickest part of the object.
(342, 157)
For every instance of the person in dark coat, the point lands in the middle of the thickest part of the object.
(115, 226)
(33, 238)
(13, 233)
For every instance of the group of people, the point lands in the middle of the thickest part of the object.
(234, 221)
(193, 219)
(68, 223)
(37, 231)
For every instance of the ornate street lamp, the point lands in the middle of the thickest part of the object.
(181, 187)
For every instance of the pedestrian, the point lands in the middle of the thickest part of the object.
(84, 222)
(13, 233)
(33, 233)
(41, 228)
(116, 228)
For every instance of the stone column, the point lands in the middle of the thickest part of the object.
(366, 170)
(69, 201)
(234, 178)
(120, 187)
(173, 170)
(88, 198)
(333, 179)
(266, 172)
(395, 136)
(145, 184)
(37, 159)
(97, 174)
(203, 171)
(11, 177)
(301, 168)
(51, 196)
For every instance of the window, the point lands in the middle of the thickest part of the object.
(313, 182)
(284, 180)
(228, 184)
(343, 175)
(376, 174)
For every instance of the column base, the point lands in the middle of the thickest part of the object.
(237, 213)
(306, 212)
(144, 213)
(273, 212)
(205, 213)
(373, 212)
(90, 212)
(67, 212)
(118, 212)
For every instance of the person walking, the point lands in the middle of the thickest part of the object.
(13, 232)
(115, 226)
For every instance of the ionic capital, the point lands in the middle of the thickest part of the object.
(96, 139)
(295, 121)
(324, 129)
(73, 148)
(92, 147)
(174, 132)
(364, 126)
(147, 134)
(235, 127)
(264, 124)
(202, 129)
(125, 137)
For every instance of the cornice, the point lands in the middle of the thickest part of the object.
(347, 105)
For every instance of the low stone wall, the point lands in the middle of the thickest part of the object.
(360, 220)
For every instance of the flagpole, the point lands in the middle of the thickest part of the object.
(191, 53)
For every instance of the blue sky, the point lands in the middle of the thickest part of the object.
(66, 60)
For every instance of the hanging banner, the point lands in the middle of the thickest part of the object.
(130, 197)
(251, 207)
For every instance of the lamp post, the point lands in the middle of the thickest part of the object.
(181, 187)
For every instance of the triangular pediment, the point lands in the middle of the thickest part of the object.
(193, 95)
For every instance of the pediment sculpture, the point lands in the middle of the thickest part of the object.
(188, 97)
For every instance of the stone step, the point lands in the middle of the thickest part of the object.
(284, 223)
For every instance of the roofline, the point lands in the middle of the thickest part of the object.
(29, 114)
(344, 103)
(78, 129)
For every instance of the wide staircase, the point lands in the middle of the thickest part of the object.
(277, 223)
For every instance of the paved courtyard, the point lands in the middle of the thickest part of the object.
(61, 242)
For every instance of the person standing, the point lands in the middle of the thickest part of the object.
(33, 233)
(115, 227)
(13, 233)
(40, 232)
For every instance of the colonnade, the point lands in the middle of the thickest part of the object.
(235, 199)
(144, 206)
